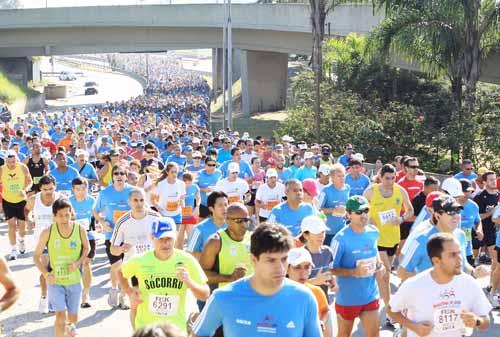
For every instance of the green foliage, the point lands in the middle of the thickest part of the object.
(386, 112)
(10, 91)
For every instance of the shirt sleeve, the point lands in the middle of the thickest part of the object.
(412, 257)
(481, 306)
(98, 204)
(210, 318)
(312, 327)
(322, 199)
(337, 252)
(194, 243)
(399, 301)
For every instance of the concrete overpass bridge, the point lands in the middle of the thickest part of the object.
(265, 34)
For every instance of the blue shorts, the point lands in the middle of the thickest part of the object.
(65, 298)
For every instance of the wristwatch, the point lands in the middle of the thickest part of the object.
(478, 322)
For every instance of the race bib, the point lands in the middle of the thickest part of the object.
(369, 265)
(233, 198)
(387, 216)
(36, 180)
(172, 206)
(447, 319)
(15, 188)
(142, 247)
(117, 215)
(187, 211)
(164, 305)
(271, 203)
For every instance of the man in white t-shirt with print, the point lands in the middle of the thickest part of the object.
(235, 188)
(268, 195)
(441, 301)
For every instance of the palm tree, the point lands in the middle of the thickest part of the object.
(446, 37)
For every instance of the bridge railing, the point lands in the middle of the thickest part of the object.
(27, 4)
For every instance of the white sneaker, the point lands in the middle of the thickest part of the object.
(43, 307)
(113, 298)
(13, 254)
(22, 247)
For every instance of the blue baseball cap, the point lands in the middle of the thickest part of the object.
(163, 228)
(186, 139)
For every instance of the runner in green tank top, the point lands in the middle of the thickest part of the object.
(68, 246)
(226, 256)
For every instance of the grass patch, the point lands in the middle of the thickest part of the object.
(10, 91)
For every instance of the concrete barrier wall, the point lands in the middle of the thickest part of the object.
(56, 91)
(29, 104)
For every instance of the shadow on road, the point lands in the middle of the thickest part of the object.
(97, 317)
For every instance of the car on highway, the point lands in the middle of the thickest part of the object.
(67, 76)
(91, 88)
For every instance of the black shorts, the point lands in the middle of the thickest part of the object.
(262, 219)
(404, 230)
(112, 258)
(204, 212)
(253, 193)
(92, 249)
(14, 210)
(490, 238)
(391, 251)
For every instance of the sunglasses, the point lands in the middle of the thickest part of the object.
(119, 174)
(241, 220)
(453, 212)
(365, 211)
(150, 152)
(211, 165)
(414, 166)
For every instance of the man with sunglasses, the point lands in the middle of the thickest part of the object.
(226, 256)
(356, 263)
(387, 201)
(207, 179)
(467, 171)
(224, 154)
(111, 204)
(131, 236)
(150, 157)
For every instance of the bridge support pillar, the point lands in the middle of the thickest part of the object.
(264, 77)
(216, 71)
(20, 69)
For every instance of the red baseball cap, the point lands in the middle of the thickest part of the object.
(310, 187)
(431, 196)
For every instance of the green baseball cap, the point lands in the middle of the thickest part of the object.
(357, 203)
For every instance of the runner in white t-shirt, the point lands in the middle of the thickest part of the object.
(268, 195)
(235, 188)
(441, 301)
(41, 206)
(170, 193)
(131, 235)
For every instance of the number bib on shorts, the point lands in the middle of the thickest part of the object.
(233, 198)
(164, 305)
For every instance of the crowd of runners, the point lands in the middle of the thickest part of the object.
(231, 234)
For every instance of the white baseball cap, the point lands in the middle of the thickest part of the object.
(297, 256)
(453, 187)
(271, 172)
(313, 224)
(324, 169)
(359, 156)
(308, 155)
(233, 167)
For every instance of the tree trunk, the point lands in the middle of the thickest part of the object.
(456, 118)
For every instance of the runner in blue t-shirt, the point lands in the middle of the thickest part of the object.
(332, 201)
(355, 179)
(291, 212)
(355, 263)
(83, 205)
(217, 205)
(265, 303)
(111, 204)
(63, 174)
(245, 169)
(207, 179)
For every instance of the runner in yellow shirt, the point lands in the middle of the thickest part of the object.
(164, 276)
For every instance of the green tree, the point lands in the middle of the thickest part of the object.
(445, 37)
